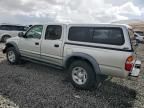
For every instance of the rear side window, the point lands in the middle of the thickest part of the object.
(101, 35)
(82, 34)
(53, 32)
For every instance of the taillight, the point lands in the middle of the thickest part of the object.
(129, 63)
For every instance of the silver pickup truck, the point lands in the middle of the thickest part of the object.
(87, 51)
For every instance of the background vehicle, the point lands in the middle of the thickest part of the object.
(140, 33)
(8, 30)
(139, 38)
(88, 51)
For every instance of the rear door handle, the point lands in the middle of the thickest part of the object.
(56, 45)
(36, 43)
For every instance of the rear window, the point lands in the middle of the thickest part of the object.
(12, 28)
(101, 35)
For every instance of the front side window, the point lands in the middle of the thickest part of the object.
(35, 32)
(53, 32)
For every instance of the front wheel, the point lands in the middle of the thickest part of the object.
(82, 75)
(12, 55)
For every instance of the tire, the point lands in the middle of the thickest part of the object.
(5, 37)
(15, 59)
(90, 76)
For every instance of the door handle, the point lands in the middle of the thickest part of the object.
(125, 48)
(56, 45)
(36, 43)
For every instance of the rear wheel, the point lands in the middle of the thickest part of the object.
(12, 56)
(82, 75)
(5, 37)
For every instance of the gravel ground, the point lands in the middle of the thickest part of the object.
(36, 86)
(6, 103)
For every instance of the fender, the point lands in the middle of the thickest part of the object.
(84, 56)
(11, 44)
(3, 34)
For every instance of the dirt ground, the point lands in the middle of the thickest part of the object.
(36, 86)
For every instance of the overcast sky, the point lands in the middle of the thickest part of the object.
(77, 11)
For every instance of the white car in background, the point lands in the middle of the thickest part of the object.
(9, 30)
(138, 37)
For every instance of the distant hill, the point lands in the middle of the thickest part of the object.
(128, 21)
(138, 25)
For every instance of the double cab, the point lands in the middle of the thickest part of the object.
(88, 51)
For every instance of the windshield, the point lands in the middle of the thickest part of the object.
(140, 33)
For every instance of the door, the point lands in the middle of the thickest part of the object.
(29, 45)
(51, 47)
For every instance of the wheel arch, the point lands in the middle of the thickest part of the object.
(11, 44)
(6, 35)
(82, 56)
(2, 35)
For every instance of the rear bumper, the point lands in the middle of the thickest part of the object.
(136, 70)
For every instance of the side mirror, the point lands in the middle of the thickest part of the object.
(21, 34)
